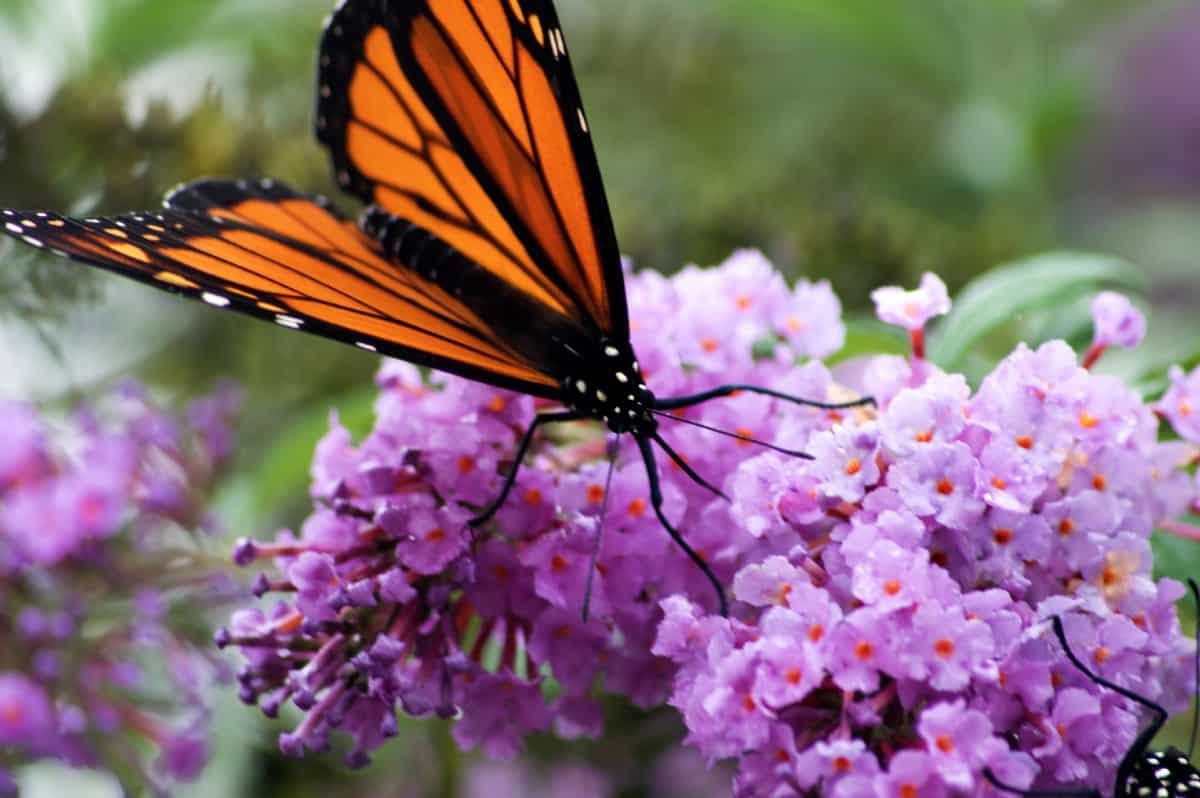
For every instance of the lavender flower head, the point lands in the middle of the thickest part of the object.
(95, 564)
(893, 594)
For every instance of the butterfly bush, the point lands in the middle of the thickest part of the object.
(102, 570)
(890, 630)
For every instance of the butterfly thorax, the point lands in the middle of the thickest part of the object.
(609, 386)
(1162, 774)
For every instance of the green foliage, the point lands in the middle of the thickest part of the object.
(993, 312)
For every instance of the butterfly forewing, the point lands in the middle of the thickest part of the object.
(463, 117)
(262, 249)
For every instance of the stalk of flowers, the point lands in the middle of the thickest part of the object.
(385, 598)
(102, 573)
(892, 591)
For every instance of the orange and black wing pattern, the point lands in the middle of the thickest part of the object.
(463, 117)
(262, 249)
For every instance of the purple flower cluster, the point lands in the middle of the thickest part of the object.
(889, 636)
(896, 640)
(95, 565)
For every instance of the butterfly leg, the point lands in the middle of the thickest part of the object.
(1090, 792)
(1196, 709)
(522, 448)
(656, 501)
(1142, 742)
(728, 390)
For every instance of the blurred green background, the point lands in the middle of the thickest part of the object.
(863, 141)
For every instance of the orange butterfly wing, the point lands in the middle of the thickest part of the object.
(262, 249)
(463, 117)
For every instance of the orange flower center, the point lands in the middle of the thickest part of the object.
(637, 508)
(1002, 536)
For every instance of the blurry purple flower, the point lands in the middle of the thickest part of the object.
(912, 310)
(1181, 404)
(1118, 322)
(97, 578)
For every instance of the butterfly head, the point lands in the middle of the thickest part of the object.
(609, 386)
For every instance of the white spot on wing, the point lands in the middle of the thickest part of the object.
(367, 347)
(291, 322)
(583, 125)
(14, 228)
(216, 300)
(33, 242)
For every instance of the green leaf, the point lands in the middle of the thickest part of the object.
(866, 336)
(1043, 282)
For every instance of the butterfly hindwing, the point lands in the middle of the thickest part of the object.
(463, 116)
(265, 250)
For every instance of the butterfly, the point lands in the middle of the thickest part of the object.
(1142, 773)
(487, 250)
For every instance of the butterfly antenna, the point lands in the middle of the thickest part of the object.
(1196, 657)
(728, 434)
(612, 466)
(676, 402)
(687, 468)
(656, 500)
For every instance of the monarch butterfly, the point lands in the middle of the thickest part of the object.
(488, 250)
(1142, 773)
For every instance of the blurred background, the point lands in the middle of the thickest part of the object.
(862, 141)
